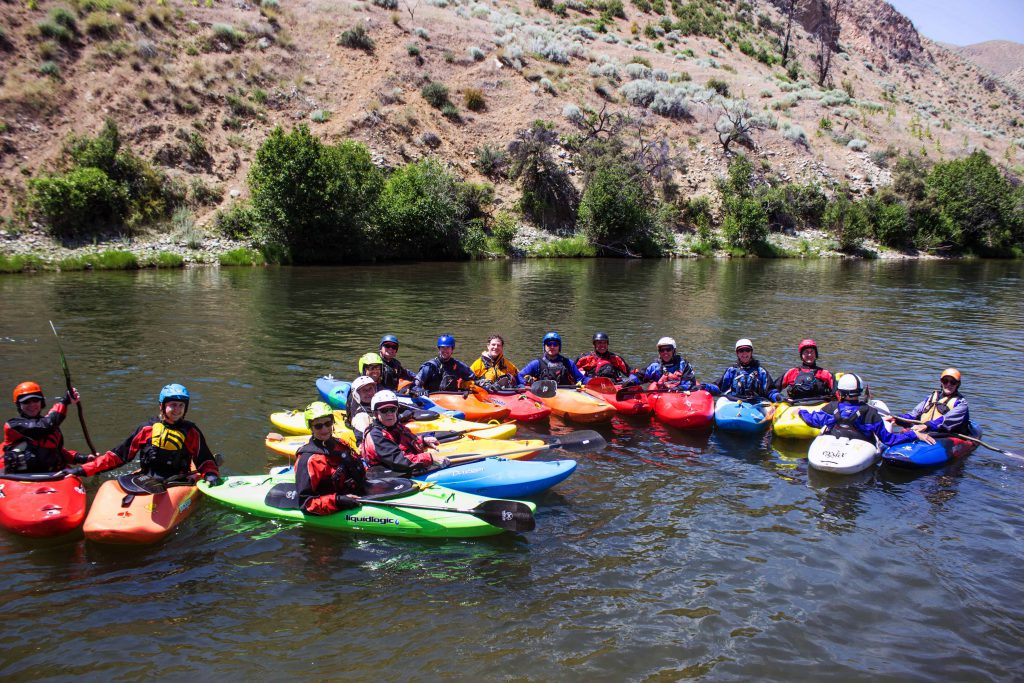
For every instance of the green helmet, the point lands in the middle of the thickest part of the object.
(369, 359)
(318, 409)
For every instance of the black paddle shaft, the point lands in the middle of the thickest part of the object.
(67, 379)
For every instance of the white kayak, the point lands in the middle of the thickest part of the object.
(842, 455)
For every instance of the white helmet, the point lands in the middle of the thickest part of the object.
(384, 398)
(849, 384)
(361, 381)
(667, 341)
(740, 343)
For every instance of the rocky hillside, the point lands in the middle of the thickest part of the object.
(1002, 58)
(196, 86)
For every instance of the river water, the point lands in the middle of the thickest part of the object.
(666, 556)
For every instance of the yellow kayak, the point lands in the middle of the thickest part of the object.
(288, 445)
(293, 422)
(787, 423)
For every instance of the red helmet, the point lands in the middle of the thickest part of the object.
(807, 343)
(27, 390)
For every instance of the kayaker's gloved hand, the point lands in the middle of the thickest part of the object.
(630, 382)
(75, 471)
(442, 462)
(344, 502)
(212, 479)
(81, 458)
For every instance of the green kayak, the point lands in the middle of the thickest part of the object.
(434, 512)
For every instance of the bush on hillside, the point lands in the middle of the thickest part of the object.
(616, 213)
(548, 195)
(79, 201)
(313, 199)
(848, 221)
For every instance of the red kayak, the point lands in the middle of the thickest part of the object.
(522, 407)
(632, 401)
(40, 505)
(683, 409)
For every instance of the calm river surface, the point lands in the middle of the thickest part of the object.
(666, 556)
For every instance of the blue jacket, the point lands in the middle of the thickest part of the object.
(956, 420)
(745, 382)
(822, 418)
(533, 370)
(438, 375)
(657, 369)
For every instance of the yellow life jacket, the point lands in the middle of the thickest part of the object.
(938, 406)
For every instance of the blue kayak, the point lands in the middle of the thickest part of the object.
(495, 477)
(739, 416)
(335, 392)
(918, 454)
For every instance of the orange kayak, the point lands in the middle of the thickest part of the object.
(145, 519)
(475, 409)
(578, 406)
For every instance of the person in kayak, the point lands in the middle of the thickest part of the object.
(807, 383)
(33, 442)
(851, 417)
(492, 370)
(601, 362)
(328, 475)
(552, 365)
(358, 411)
(392, 371)
(389, 444)
(746, 380)
(371, 365)
(945, 410)
(670, 370)
(444, 372)
(167, 445)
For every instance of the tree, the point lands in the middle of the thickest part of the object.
(548, 196)
(788, 9)
(826, 37)
(974, 202)
(616, 213)
(737, 123)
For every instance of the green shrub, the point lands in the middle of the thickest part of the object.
(491, 161)
(103, 25)
(50, 69)
(548, 195)
(78, 202)
(615, 213)
(848, 221)
(229, 34)
(242, 256)
(436, 94)
(719, 86)
(474, 99)
(504, 230)
(450, 111)
(105, 260)
(745, 222)
(164, 259)
(567, 247)
(313, 199)
(19, 263)
(357, 38)
(420, 213)
(238, 222)
(612, 9)
(891, 221)
(974, 204)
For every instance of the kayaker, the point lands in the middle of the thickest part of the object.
(389, 444)
(807, 383)
(358, 411)
(371, 365)
(444, 372)
(328, 475)
(670, 370)
(33, 442)
(492, 370)
(392, 371)
(552, 365)
(601, 362)
(746, 380)
(853, 418)
(944, 410)
(167, 445)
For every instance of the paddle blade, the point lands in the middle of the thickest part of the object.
(545, 388)
(510, 515)
(602, 385)
(141, 484)
(582, 440)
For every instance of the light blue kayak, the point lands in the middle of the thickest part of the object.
(335, 393)
(495, 477)
(739, 416)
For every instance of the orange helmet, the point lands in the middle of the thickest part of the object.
(950, 372)
(27, 390)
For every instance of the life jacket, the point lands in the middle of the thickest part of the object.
(449, 380)
(557, 370)
(807, 384)
(746, 381)
(164, 453)
(349, 473)
(496, 372)
(390, 373)
(596, 365)
(405, 439)
(938, 405)
(26, 456)
(846, 426)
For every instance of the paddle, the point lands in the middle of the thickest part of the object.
(965, 437)
(544, 388)
(510, 515)
(583, 440)
(67, 378)
(33, 476)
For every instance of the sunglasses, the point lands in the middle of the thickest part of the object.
(949, 381)
(665, 349)
(322, 425)
(390, 410)
(744, 350)
(552, 343)
(389, 346)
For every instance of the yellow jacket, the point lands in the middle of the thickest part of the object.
(488, 372)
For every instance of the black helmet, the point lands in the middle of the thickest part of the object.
(600, 336)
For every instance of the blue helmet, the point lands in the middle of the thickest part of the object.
(388, 339)
(552, 336)
(174, 392)
(446, 340)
